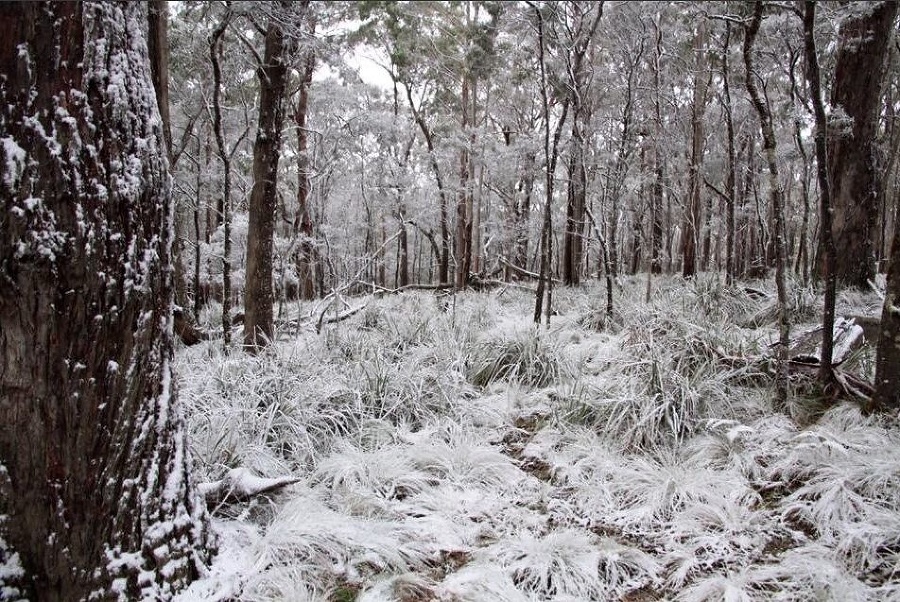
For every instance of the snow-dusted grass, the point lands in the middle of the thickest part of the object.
(449, 450)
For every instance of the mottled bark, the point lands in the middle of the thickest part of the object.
(862, 49)
(760, 103)
(258, 292)
(95, 475)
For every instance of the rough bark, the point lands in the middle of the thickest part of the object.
(862, 49)
(576, 196)
(95, 475)
(258, 292)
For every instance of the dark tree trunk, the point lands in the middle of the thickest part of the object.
(96, 466)
(575, 202)
(656, 229)
(731, 178)
(862, 48)
(258, 294)
(826, 242)
(887, 361)
(215, 49)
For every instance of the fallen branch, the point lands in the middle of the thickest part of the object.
(522, 271)
(338, 317)
(239, 485)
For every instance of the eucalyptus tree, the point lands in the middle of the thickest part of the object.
(763, 108)
(515, 116)
(814, 82)
(887, 360)
(864, 40)
(585, 19)
(700, 96)
(404, 32)
(95, 477)
(272, 73)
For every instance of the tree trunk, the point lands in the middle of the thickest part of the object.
(463, 246)
(95, 479)
(731, 179)
(769, 147)
(575, 200)
(215, 49)
(826, 241)
(522, 212)
(862, 48)
(158, 47)
(306, 255)
(691, 222)
(444, 259)
(887, 361)
(403, 255)
(258, 294)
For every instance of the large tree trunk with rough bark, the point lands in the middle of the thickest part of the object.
(863, 47)
(258, 293)
(94, 466)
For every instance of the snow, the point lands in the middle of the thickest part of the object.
(15, 161)
(554, 478)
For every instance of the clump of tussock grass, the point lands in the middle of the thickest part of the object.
(804, 305)
(808, 572)
(709, 295)
(560, 562)
(251, 411)
(648, 490)
(527, 356)
(367, 480)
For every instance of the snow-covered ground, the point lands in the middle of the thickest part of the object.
(447, 450)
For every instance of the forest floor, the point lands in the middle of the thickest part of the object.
(447, 450)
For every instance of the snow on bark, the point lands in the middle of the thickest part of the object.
(102, 505)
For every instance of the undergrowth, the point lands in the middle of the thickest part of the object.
(449, 450)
